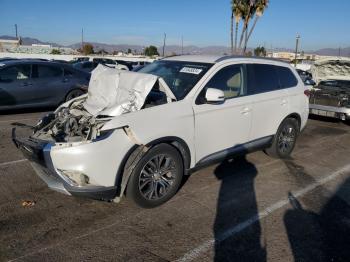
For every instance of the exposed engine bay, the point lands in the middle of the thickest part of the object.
(111, 93)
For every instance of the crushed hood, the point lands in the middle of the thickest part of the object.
(114, 92)
(331, 68)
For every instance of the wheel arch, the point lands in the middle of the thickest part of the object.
(295, 116)
(73, 88)
(137, 151)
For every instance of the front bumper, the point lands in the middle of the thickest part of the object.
(342, 113)
(38, 154)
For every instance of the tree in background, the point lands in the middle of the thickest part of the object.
(88, 49)
(260, 51)
(245, 10)
(129, 51)
(151, 51)
(55, 52)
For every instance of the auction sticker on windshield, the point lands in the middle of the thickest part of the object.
(191, 70)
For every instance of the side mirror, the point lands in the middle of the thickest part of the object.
(214, 95)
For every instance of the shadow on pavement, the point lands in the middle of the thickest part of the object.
(236, 204)
(322, 235)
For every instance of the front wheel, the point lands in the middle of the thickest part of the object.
(156, 177)
(285, 139)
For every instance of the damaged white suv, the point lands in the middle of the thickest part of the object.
(139, 133)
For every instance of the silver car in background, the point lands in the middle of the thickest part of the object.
(35, 83)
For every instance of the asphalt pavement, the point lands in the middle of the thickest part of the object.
(252, 208)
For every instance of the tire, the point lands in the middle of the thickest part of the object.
(285, 139)
(73, 94)
(148, 185)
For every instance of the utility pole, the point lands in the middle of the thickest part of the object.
(16, 31)
(82, 39)
(296, 49)
(182, 45)
(339, 51)
(164, 44)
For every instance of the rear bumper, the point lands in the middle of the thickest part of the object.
(330, 111)
(38, 154)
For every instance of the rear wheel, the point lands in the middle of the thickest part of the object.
(156, 177)
(73, 94)
(285, 139)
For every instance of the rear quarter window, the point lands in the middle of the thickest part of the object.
(286, 77)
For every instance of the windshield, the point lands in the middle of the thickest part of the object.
(180, 76)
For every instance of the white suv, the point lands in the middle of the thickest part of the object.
(140, 133)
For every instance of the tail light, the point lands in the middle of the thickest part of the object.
(307, 92)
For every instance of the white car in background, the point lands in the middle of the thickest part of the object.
(330, 95)
(140, 133)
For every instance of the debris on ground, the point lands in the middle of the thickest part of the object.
(28, 203)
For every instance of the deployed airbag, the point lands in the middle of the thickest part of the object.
(115, 92)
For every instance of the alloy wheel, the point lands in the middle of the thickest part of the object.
(157, 177)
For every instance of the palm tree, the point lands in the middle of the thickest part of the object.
(260, 7)
(231, 25)
(248, 11)
(237, 14)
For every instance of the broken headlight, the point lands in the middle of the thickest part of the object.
(74, 178)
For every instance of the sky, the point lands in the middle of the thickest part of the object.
(320, 23)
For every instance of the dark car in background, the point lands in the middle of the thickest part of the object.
(86, 66)
(35, 83)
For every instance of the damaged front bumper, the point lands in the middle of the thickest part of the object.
(342, 113)
(39, 154)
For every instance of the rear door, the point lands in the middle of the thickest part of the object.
(15, 85)
(49, 83)
(270, 102)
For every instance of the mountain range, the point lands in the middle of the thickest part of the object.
(174, 49)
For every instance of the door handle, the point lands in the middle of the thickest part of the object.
(245, 110)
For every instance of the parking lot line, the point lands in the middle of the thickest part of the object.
(196, 252)
(12, 162)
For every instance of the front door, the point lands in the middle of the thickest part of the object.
(219, 127)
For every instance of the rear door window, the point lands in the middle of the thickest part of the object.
(12, 73)
(262, 78)
(286, 76)
(49, 71)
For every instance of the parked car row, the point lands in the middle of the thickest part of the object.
(26, 83)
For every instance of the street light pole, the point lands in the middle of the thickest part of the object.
(182, 45)
(82, 38)
(296, 50)
(164, 44)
